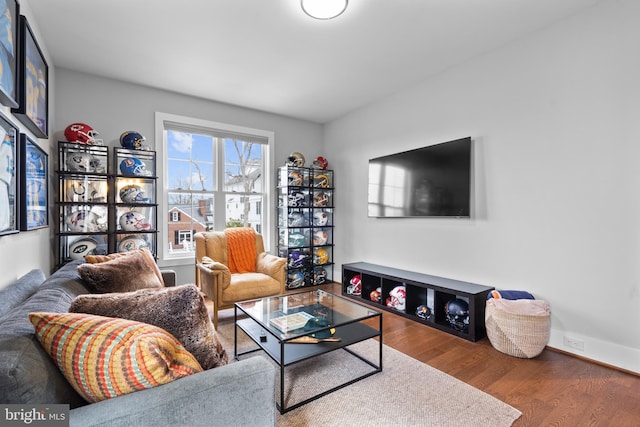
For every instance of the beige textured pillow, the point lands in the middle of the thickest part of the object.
(181, 311)
(137, 270)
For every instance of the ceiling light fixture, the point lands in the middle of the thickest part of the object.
(324, 9)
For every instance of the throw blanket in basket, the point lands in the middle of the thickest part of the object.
(241, 248)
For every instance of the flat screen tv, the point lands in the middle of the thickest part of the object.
(433, 181)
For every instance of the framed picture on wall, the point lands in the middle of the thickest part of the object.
(33, 83)
(34, 180)
(9, 14)
(8, 162)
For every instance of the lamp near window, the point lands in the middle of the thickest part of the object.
(324, 9)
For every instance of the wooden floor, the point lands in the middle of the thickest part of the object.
(553, 389)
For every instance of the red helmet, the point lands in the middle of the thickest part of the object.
(320, 163)
(81, 133)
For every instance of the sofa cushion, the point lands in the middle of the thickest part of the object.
(103, 357)
(181, 311)
(20, 290)
(137, 270)
(29, 376)
(27, 373)
(54, 295)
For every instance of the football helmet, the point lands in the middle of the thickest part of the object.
(134, 221)
(82, 247)
(132, 243)
(321, 181)
(423, 312)
(133, 166)
(355, 285)
(297, 219)
(297, 259)
(457, 312)
(397, 298)
(320, 163)
(83, 191)
(320, 237)
(82, 221)
(297, 239)
(320, 256)
(81, 133)
(320, 199)
(320, 218)
(81, 162)
(319, 275)
(295, 178)
(296, 199)
(295, 280)
(133, 194)
(132, 140)
(376, 295)
(295, 159)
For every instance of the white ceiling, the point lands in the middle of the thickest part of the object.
(268, 55)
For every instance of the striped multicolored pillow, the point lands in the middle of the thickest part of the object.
(104, 357)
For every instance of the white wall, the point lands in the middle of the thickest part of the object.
(554, 118)
(112, 107)
(21, 252)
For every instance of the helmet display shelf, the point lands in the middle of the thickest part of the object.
(305, 223)
(452, 306)
(83, 210)
(134, 208)
(103, 208)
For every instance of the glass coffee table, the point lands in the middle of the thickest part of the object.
(303, 329)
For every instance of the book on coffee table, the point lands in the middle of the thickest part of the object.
(290, 322)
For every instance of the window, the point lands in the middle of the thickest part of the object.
(213, 174)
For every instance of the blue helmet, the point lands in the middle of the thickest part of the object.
(131, 140)
(133, 166)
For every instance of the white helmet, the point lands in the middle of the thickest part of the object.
(134, 221)
(81, 162)
(79, 191)
(133, 194)
(82, 247)
(132, 243)
(320, 218)
(397, 298)
(320, 237)
(82, 221)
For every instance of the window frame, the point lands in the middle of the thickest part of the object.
(207, 126)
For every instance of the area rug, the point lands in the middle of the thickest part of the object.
(406, 393)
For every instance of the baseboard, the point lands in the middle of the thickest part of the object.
(616, 356)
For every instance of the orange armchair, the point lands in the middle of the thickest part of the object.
(225, 288)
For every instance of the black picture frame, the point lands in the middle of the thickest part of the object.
(8, 180)
(34, 185)
(33, 83)
(9, 23)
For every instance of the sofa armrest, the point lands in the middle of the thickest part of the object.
(238, 394)
(169, 278)
(212, 273)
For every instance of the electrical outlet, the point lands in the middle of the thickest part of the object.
(574, 343)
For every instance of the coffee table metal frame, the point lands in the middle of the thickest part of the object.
(344, 315)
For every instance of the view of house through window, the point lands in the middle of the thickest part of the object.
(214, 180)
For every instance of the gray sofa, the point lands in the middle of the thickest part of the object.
(238, 394)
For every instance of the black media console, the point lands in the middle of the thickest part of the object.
(426, 297)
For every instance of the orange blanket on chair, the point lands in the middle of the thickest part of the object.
(241, 249)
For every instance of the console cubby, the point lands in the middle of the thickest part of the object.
(425, 297)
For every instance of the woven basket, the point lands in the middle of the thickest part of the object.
(518, 335)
